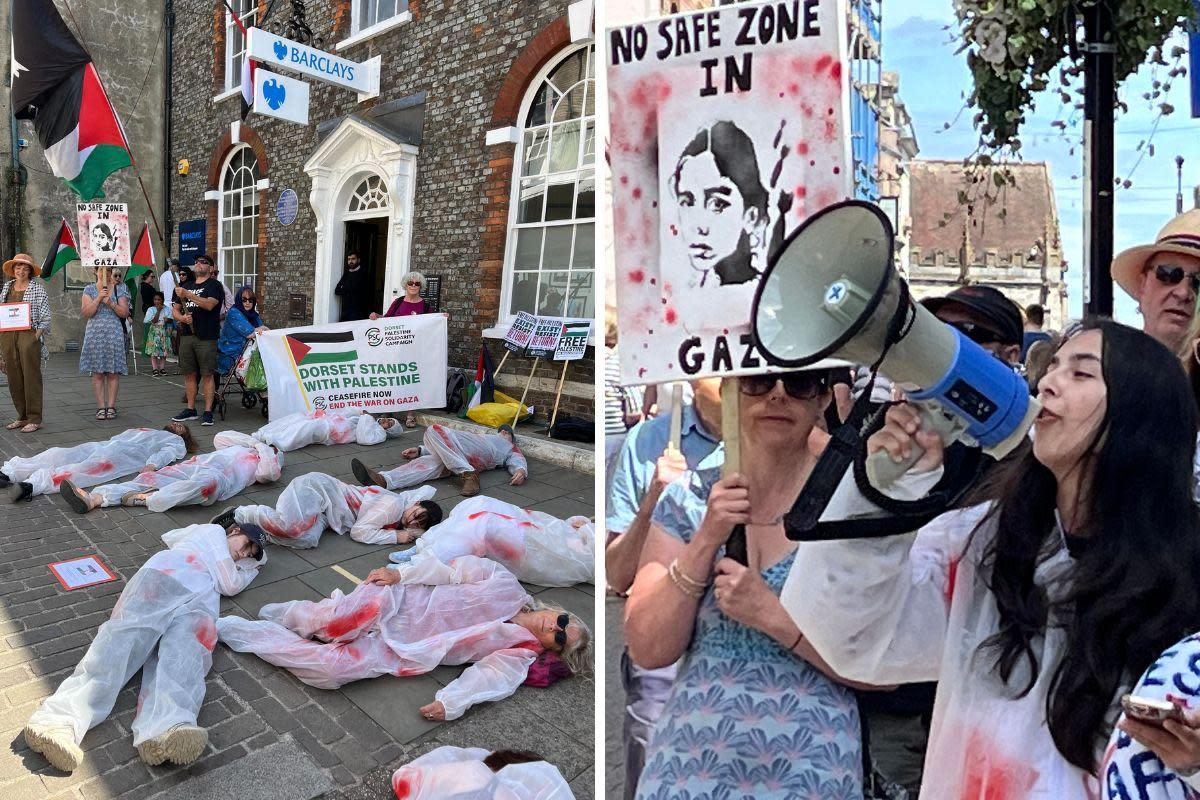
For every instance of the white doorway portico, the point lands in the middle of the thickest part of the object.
(360, 171)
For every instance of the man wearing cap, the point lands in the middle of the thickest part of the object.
(165, 624)
(23, 352)
(985, 316)
(1164, 278)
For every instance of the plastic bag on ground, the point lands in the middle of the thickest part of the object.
(536, 547)
(502, 412)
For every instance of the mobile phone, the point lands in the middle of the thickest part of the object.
(1149, 710)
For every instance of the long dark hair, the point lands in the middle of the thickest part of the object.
(1132, 589)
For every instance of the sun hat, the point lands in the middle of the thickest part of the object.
(1180, 235)
(21, 258)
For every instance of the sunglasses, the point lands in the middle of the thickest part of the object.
(1173, 275)
(413, 283)
(247, 299)
(560, 635)
(797, 385)
(976, 333)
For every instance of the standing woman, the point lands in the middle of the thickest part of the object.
(157, 345)
(105, 306)
(408, 305)
(24, 352)
(754, 710)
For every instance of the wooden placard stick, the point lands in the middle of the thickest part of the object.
(496, 371)
(558, 393)
(674, 445)
(735, 547)
(521, 405)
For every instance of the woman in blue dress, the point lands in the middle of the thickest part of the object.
(755, 712)
(241, 323)
(106, 305)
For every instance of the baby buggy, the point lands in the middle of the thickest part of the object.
(247, 377)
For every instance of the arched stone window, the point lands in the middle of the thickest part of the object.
(238, 233)
(550, 258)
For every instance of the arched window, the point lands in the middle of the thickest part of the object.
(551, 257)
(238, 242)
(370, 195)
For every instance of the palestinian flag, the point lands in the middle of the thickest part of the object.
(249, 67)
(56, 85)
(483, 390)
(62, 252)
(142, 260)
(321, 348)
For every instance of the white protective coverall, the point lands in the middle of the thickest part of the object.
(320, 427)
(1130, 770)
(93, 463)
(458, 773)
(437, 614)
(534, 546)
(203, 479)
(315, 501)
(915, 607)
(457, 451)
(164, 623)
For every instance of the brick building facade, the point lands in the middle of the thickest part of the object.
(420, 177)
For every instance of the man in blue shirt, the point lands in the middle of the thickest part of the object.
(642, 471)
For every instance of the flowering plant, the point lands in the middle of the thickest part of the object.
(1014, 46)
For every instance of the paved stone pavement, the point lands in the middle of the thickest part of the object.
(263, 724)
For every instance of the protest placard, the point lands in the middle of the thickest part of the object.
(383, 365)
(103, 234)
(520, 332)
(544, 340)
(732, 131)
(573, 341)
(80, 572)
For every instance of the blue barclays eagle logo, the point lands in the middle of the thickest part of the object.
(280, 50)
(274, 93)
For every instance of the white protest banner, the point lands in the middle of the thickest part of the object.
(383, 365)
(103, 234)
(520, 332)
(15, 317)
(277, 51)
(573, 341)
(281, 97)
(543, 342)
(729, 128)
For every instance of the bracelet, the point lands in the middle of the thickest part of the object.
(799, 639)
(690, 587)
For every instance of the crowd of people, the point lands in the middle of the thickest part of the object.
(982, 654)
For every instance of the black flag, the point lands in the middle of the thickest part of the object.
(44, 54)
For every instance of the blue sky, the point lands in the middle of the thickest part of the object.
(933, 81)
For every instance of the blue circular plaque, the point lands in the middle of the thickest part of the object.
(287, 207)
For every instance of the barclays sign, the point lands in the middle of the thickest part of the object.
(279, 52)
(281, 97)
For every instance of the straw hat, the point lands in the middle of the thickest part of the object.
(21, 258)
(1180, 235)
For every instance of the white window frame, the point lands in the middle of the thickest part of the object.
(505, 315)
(235, 43)
(357, 28)
(223, 249)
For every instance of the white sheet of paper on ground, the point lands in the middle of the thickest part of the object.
(80, 572)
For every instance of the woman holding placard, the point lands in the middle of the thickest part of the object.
(24, 351)
(106, 304)
(410, 304)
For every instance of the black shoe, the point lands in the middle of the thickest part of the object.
(185, 415)
(365, 475)
(225, 518)
(22, 492)
(5, 481)
(77, 503)
(208, 420)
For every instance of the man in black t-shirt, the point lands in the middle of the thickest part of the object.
(352, 288)
(197, 308)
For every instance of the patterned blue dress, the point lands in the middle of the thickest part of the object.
(104, 337)
(747, 720)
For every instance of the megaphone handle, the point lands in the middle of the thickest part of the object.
(735, 546)
(882, 471)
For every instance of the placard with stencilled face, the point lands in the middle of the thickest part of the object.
(728, 127)
(103, 234)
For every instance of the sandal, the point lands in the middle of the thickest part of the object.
(110, 413)
(101, 413)
(31, 427)
(21, 423)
